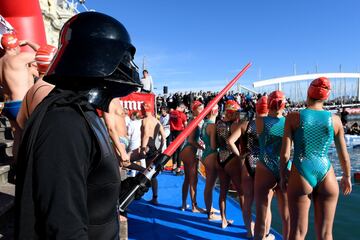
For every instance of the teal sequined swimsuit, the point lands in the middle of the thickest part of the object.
(311, 144)
(206, 138)
(270, 141)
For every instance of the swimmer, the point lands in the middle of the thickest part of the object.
(270, 130)
(229, 165)
(16, 78)
(209, 159)
(311, 176)
(246, 132)
(188, 156)
(151, 129)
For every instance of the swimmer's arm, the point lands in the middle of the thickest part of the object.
(259, 121)
(145, 136)
(340, 144)
(286, 145)
(212, 134)
(33, 45)
(119, 147)
(232, 139)
(163, 137)
(191, 140)
(22, 115)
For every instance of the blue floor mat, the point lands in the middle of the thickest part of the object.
(167, 221)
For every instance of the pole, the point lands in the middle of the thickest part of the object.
(142, 180)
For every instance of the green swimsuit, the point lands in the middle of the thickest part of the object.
(270, 141)
(311, 144)
(206, 138)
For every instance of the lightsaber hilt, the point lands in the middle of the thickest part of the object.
(142, 180)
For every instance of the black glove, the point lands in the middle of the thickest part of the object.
(131, 182)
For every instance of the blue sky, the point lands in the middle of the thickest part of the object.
(202, 44)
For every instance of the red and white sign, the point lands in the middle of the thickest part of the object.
(134, 101)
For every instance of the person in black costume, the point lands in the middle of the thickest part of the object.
(68, 181)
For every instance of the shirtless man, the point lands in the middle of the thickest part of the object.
(150, 130)
(115, 123)
(40, 89)
(15, 78)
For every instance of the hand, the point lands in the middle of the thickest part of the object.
(125, 160)
(283, 183)
(345, 185)
(130, 183)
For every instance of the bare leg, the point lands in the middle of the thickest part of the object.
(264, 183)
(325, 200)
(284, 212)
(154, 187)
(185, 187)
(248, 188)
(211, 175)
(268, 214)
(224, 187)
(299, 192)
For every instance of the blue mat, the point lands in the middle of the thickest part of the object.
(167, 221)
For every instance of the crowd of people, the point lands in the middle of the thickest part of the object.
(253, 153)
(76, 136)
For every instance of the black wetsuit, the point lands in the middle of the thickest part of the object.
(68, 179)
(252, 148)
(223, 132)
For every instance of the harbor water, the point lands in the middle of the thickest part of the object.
(347, 218)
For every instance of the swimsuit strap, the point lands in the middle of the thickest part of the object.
(26, 99)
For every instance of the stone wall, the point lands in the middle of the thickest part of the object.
(55, 14)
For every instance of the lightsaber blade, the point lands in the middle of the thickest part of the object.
(126, 197)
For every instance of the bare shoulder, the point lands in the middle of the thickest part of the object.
(337, 124)
(293, 117)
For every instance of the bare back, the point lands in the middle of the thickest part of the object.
(151, 128)
(14, 75)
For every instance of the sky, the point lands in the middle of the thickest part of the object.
(191, 45)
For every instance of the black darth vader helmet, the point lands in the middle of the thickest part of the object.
(95, 53)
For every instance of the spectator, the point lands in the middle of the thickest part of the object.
(178, 121)
(66, 163)
(165, 122)
(15, 78)
(147, 82)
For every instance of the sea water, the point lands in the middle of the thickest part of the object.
(347, 217)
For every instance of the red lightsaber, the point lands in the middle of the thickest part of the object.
(186, 132)
(142, 179)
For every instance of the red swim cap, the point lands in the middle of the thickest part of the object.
(319, 89)
(262, 105)
(9, 40)
(43, 57)
(276, 100)
(231, 106)
(195, 105)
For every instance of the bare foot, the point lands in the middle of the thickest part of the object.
(214, 217)
(183, 208)
(226, 223)
(154, 201)
(250, 232)
(214, 210)
(270, 237)
(196, 209)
